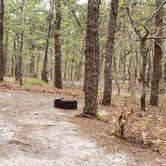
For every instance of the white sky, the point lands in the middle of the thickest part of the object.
(46, 4)
(86, 1)
(82, 1)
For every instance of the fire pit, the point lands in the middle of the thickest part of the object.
(65, 104)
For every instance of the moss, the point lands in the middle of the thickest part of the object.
(145, 124)
(101, 117)
(36, 82)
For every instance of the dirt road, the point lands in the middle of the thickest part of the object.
(33, 133)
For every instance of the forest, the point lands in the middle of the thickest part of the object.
(103, 62)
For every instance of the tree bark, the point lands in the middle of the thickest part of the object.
(71, 71)
(144, 53)
(6, 53)
(38, 62)
(32, 60)
(58, 72)
(92, 58)
(132, 66)
(165, 72)
(16, 46)
(109, 54)
(20, 44)
(149, 70)
(65, 70)
(124, 69)
(13, 56)
(20, 58)
(1, 40)
(157, 67)
(51, 64)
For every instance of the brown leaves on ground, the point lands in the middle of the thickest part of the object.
(147, 129)
(46, 90)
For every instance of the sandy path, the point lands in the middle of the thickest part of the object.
(33, 133)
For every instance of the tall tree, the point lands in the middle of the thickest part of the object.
(6, 52)
(92, 58)
(45, 63)
(132, 66)
(16, 53)
(144, 53)
(109, 53)
(58, 74)
(20, 41)
(32, 59)
(21, 56)
(157, 67)
(1, 40)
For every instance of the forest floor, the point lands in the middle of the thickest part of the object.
(33, 132)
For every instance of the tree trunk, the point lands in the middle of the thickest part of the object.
(165, 72)
(6, 53)
(78, 74)
(65, 70)
(45, 63)
(20, 59)
(38, 62)
(124, 69)
(132, 77)
(149, 70)
(51, 64)
(16, 45)
(32, 60)
(71, 71)
(13, 56)
(144, 53)
(157, 68)
(58, 73)
(136, 65)
(109, 54)
(92, 58)
(132, 66)
(21, 44)
(1, 40)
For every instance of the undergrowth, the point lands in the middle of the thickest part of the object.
(35, 82)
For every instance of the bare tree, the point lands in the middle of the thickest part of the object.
(144, 53)
(143, 37)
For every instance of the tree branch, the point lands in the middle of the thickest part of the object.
(155, 12)
(125, 54)
(156, 37)
(132, 23)
(75, 17)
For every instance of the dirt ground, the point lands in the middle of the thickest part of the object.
(33, 132)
